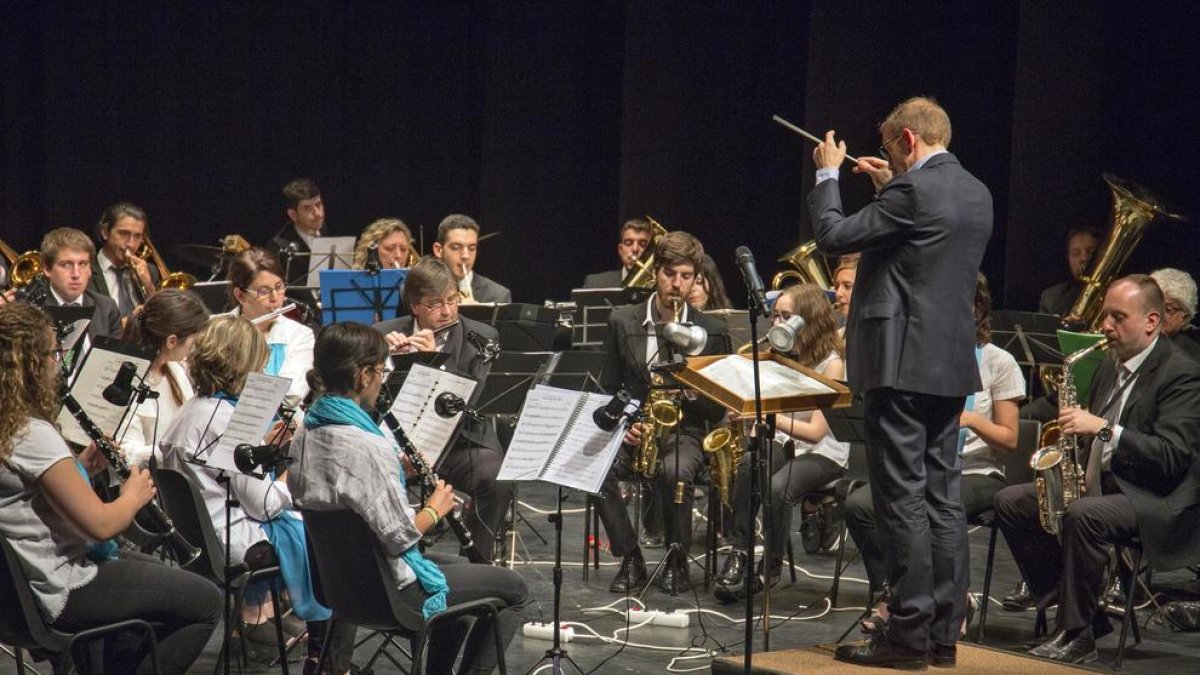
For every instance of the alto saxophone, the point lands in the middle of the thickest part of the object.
(725, 446)
(1058, 478)
(661, 411)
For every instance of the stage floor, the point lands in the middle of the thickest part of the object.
(809, 619)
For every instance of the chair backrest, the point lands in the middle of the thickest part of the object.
(21, 622)
(355, 580)
(1016, 464)
(185, 505)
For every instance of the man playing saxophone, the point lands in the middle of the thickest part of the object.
(1139, 480)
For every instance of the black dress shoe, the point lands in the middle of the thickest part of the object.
(1020, 599)
(943, 656)
(674, 579)
(733, 569)
(1064, 649)
(1184, 615)
(879, 650)
(632, 575)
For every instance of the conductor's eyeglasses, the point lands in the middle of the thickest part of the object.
(883, 153)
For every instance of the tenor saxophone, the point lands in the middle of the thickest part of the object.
(1058, 478)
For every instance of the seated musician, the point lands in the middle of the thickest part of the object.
(256, 290)
(843, 288)
(708, 293)
(633, 343)
(989, 427)
(457, 245)
(1081, 246)
(305, 211)
(167, 324)
(475, 455)
(117, 270)
(50, 515)
(1139, 445)
(393, 243)
(67, 263)
(344, 461)
(816, 457)
(634, 238)
(1179, 295)
(261, 526)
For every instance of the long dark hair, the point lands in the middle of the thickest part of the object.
(340, 351)
(819, 336)
(167, 312)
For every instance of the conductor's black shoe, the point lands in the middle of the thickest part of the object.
(674, 579)
(1064, 649)
(943, 656)
(632, 575)
(880, 651)
(1020, 599)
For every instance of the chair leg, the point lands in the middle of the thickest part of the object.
(499, 641)
(791, 556)
(324, 658)
(987, 585)
(20, 657)
(837, 567)
(283, 662)
(1129, 610)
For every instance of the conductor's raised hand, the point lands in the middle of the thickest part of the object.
(829, 153)
(877, 169)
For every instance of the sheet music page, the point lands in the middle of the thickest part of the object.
(339, 250)
(414, 409)
(543, 420)
(587, 451)
(736, 373)
(99, 369)
(252, 417)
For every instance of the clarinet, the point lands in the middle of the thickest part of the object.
(429, 482)
(151, 516)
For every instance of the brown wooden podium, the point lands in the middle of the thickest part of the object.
(838, 395)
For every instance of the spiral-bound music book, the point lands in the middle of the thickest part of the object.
(556, 440)
(414, 408)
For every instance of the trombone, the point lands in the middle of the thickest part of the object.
(22, 267)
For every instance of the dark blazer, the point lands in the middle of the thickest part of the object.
(288, 237)
(625, 346)
(610, 279)
(464, 360)
(106, 320)
(99, 284)
(1058, 298)
(1154, 462)
(922, 238)
(484, 289)
(1188, 341)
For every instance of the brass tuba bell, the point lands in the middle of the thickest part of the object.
(808, 266)
(22, 268)
(643, 268)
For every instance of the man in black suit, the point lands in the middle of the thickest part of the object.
(910, 354)
(1141, 477)
(473, 460)
(117, 271)
(67, 263)
(457, 245)
(1081, 246)
(306, 221)
(635, 340)
(635, 237)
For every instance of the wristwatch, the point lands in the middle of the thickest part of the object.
(1105, 433)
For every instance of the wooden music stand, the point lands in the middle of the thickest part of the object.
(837, 396)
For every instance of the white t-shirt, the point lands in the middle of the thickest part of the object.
(828, 447)
(1002, 381)
(52, 552)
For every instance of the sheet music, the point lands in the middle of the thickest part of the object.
(587, 451)
(736, 373)
(546, 413)
(339, 250)
(252, 417)
(99, 369)
(414, 408)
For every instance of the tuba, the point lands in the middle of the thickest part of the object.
(725, 446)
(643, 272)
(168, 279)
(22, 268)
(808, 266)
(1058, 478)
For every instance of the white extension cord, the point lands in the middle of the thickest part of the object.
(545, 631)
(659, 618)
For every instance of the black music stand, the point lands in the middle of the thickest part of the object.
(524, 327)
(593, 305)
(1031, 338)
(214, 294)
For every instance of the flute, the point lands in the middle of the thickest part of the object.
(271, 315)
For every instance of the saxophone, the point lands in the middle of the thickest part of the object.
(1058, 478)
(725, 446)
(660, 412)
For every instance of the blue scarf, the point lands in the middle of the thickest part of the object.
(339, 410)
(275, 360)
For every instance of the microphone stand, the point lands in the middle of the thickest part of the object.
(757, 475)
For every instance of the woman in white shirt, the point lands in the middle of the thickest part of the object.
(167, 324)
(257, 288)
(816, 457)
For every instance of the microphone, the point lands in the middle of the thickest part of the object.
(607, 417)
(782, 336)
(754, 283)
(488, 349)
(120, 392)
(449, 404)
(373, 264)
(688, 337)
(248, 457)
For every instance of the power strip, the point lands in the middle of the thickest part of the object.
(545, 631)
(659, 618)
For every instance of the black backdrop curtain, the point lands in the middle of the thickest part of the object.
(553, 122)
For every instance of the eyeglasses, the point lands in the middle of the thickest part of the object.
(384, 370)
(883, 148)
(1171, 309)
(776, 317)
(264, 292)
(452, 301)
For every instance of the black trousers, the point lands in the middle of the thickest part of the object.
(473, 470)
(1075, 568)
(978, 492)
(683, 462)
(915, 485)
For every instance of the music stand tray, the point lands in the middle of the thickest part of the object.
(509, 380)
(837, 396)
(361, 296)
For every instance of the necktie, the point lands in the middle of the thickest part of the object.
(125, 301)
(1111, 413)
